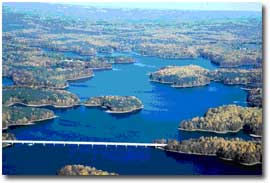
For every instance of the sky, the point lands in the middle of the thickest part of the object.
(180, 6)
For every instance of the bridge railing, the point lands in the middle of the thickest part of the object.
(84, 143)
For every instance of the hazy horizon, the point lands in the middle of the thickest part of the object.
(185, 6)
(216, 6)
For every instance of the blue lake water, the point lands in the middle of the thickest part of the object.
(40, 160)
(164, 108)
(7, 81)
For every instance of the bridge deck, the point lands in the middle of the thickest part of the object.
(84, 143)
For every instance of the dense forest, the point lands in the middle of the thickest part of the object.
(228, 118)
(231, 58)
(39, 97)
(16, 115)
(45, 42)
(255, 97)
(182, 76)
(246, 77)
(33, 67)
(82, 170)
(192, 75)
(238, 150)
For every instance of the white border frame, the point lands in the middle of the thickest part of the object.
(264, 178)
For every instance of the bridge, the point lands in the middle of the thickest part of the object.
(126, 144)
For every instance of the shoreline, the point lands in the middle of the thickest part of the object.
(255, 136)
(123, 112)
(218, 132)
(181, 152)
(58, 88)
(42, 105)
(172, 58)
(176, 86)
(157, 81)
(113, 112)
(100, 69)
(114, 63)
(179, 86)
(31, 122)
(6, 145)
(245, 164)
(213, 131)
(35, 86)
(82, 77)
(213, 155)
(91, 105)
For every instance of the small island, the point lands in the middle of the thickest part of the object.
(115, 104)
(240, 151)
(182, 76)
(36, 97)
(228, 118)
(255, 97)
(82, 170)
(18, 115)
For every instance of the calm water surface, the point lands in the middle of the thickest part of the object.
(164, 108)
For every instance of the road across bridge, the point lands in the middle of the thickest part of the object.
(84, 143)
